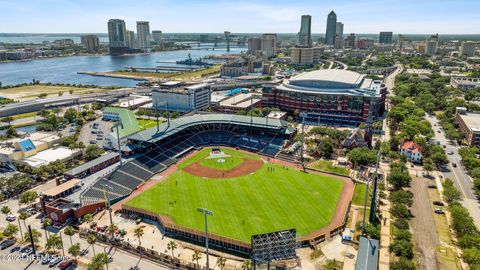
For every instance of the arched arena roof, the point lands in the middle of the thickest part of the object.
(332, 81)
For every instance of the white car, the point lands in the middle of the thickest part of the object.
(10, 217)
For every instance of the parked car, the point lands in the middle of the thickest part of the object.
(439, 203)
(94, 132)
(46, 259)
(27, 252)
(31, 211)
(432, 186)
(450, 152)
(15, 249)
(65, 264)
(83, 252)
(10, 217)
(439, 211)
(7, 243)
(454, 165)
(93, 142)
(54, 261)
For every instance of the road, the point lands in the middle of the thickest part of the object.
(462, 180)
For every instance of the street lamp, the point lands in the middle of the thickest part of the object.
(206, 213)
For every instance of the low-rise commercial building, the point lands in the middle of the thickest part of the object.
(242, 66)
(239, 102)
(465, 83)
(469, 124)
(301, 56)
(92, 166)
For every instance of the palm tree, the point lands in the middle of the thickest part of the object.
(196, 256)
(98, 261)
(221, 262)
(35, 236)
(91, 239)
(74, 250)
(247, 264)
(111, 229)
(54, 242)
(6, 210)
(23, 216)
(172, 245)
(138, 232)
(88, 218)
(70, 231)
(45, 223)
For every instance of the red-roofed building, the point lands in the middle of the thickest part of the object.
(412, 151)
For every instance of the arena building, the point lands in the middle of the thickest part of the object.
(335, 97)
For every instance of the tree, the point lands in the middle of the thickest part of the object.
(91, 239)
(54, 242)
(401, 197)
(42, 95)
(451, 194)
(74, 250)
(196, 256)
(372, 231)
(428, 165)
(247, 264)
(23, 216)
(403, 235)
(98, 261)
(88, 218)
(221, 262)
(56, 110)
(138, 232)
(70, 231)
(402, 248)
(93, 152)
(172, 245)
(403, 264)
(400, 211)
(7, 119)
(28, 197)
(71, 115)
(60, 93)
(35, 236)
(10, 231)
(362, 156)
(11, 132)
(471, 256)
(6, 210)
(46, 222)
(326, 147)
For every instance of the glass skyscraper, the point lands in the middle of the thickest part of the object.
(305, 33)
(331, 28)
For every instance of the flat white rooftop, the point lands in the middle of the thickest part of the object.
(49, 155)
(332, 75)
(472, 120)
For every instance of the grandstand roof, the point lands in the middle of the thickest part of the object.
(153, 135)
(129, 121)
(91, 163)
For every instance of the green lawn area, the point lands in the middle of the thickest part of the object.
(172, 75)
(327, 166)
(147, 123)
(257, 203)
(359, 195)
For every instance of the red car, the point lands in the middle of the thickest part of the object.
(65, 264)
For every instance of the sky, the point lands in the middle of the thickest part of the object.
(241, 16)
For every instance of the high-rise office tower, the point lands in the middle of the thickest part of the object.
(385, 38)
(338, 43)
(117, 36)
(431, 45)
(331, 28)
(339, 29)
(254, 44)
(130, 39)
(467, 49)
(269, 45)
(143, 35)
(90, 42)
(351, 41)
(157, 36)
(305, 33)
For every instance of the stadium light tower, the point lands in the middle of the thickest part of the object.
(106, 189)
(206, 213)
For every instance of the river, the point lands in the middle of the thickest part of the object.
(64, 69)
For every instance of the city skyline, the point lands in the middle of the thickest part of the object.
(408, 17)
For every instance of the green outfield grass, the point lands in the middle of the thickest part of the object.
(260, 202)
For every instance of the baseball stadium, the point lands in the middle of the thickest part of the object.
(230, 165)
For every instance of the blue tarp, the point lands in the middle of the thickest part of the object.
(26, 145)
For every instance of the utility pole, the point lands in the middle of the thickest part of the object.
(206, 213)
(303, 142)
(118, 123)
(20, 227)
(31, 240)
(365, 206)
(106, 189)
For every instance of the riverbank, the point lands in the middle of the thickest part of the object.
(155, 76)
(32, 91)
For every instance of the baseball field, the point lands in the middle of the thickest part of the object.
(246, 194)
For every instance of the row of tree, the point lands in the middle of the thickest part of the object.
(401, 199)
(462, 223)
